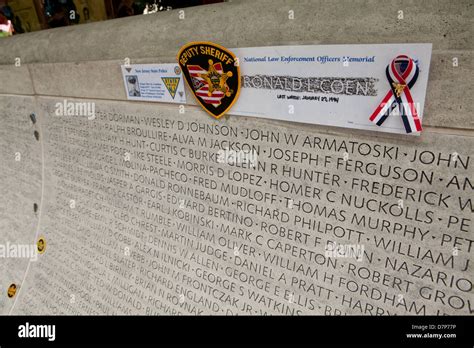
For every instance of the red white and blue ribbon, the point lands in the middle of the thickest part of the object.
(401, 81)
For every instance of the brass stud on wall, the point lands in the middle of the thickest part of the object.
(12, 291)
(41, 245)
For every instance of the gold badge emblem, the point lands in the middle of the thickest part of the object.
(398, 88)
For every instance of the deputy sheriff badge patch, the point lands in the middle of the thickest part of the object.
(212, 73)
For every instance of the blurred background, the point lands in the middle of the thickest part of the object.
(22, 16)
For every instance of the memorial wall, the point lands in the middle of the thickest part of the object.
(140, 214)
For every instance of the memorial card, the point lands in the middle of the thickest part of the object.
(337, 85)
(154, 82)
